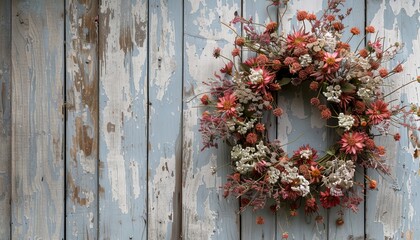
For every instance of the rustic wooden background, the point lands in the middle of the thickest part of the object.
(98, 123)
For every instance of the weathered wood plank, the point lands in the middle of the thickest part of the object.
(353, 227)
(37, 120)
(123, 117)
(82, 119)
(249, 227)
(5, 118)
(206, 214)
(165, 119)
(392, 211)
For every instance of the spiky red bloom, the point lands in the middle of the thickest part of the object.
(327, 200)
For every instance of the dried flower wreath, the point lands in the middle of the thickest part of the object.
(347, 90)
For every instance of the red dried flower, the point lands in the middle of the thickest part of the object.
(205, 99)
(314, 85)
(276, 64)
(260, 127)
(240, 41)
(311, 17)
(355, 31)
(372, 184)
(327, 200)
(271, 27)
(330, 18)
(364, 53)
(315, 101)
(278, 112)
(260, 220)
(370, 29)
(301, 15)
(251, 138)
(397, 137)
(326, 113)
(398, 68)
(227, 68)
(235, 52)
(383, 72)
(216, 52)
(311, 206)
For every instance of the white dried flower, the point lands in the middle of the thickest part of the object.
(333, 93)
(345, 121)
(255, 76)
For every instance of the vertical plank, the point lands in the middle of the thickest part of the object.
(165, 119)
(37, 120)
(206, 214)
(123, 117)
(353, 227)
(391, 211)
(5, 127)
(249, 228)
(82, 119)
(301, 124)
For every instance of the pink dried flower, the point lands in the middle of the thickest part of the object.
(331, 62)
(378, 111)
(352, 142)
(227, 105)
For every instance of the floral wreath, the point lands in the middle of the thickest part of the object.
(347, 90)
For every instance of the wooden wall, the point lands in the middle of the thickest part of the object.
(99, 123)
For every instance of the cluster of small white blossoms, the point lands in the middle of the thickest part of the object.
(306, 153)
(345, 121)
(255, 76)
(369, 87)
(291, 175)
(341, 174)
(247, 158)
(273, 175)
(240, 127)
(305, 60)
(333, 93)
(329, 40)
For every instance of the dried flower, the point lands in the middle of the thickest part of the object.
(352, 142)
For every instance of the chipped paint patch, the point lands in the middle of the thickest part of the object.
(135, 179)
(163, 47)
(389, 209)
(163, 187)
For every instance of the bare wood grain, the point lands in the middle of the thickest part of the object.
(123, 117)
(82, 105)
(5, 118)
(37, 120)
